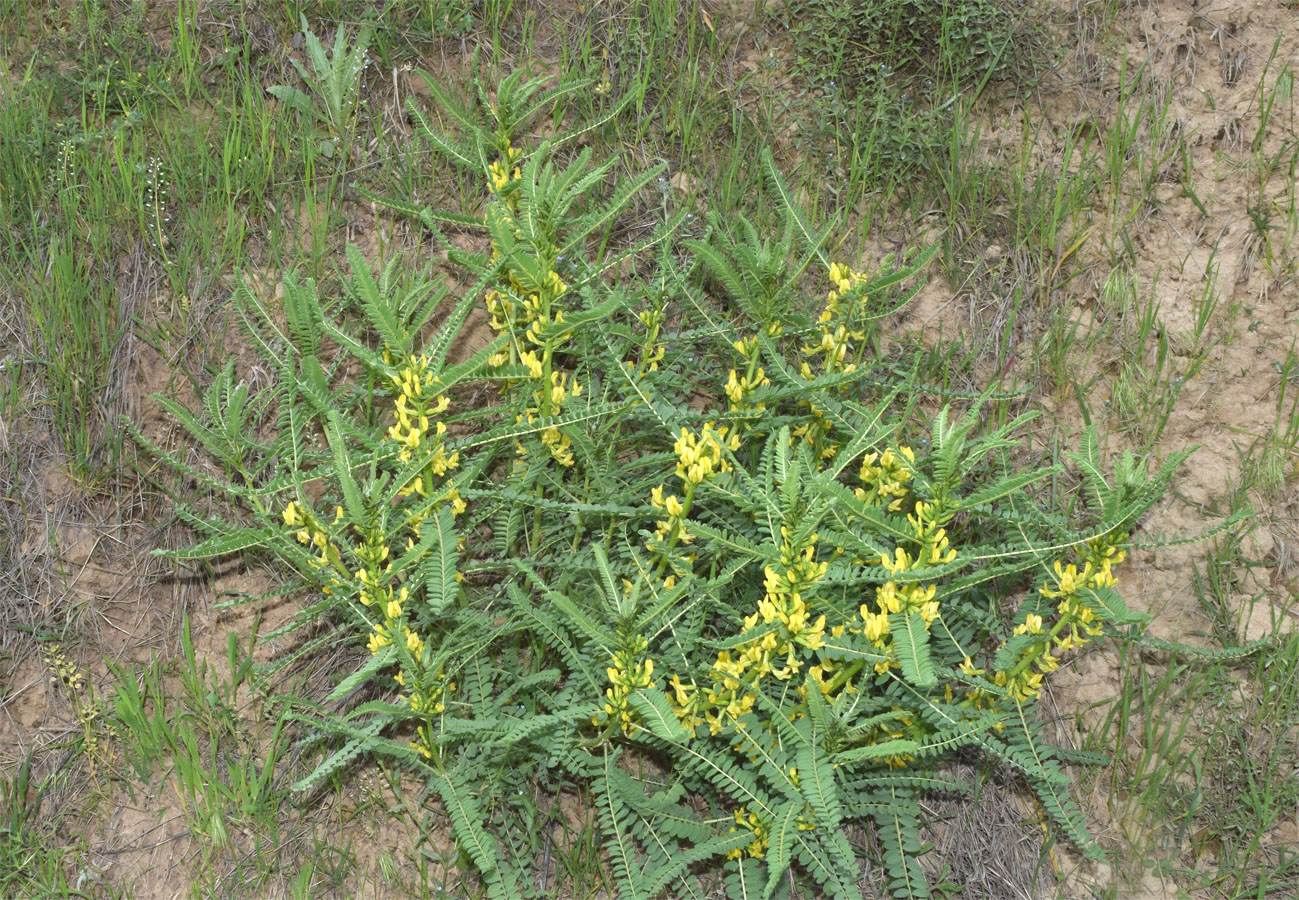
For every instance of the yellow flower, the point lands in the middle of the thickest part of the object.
(1032, 625)
(379, 639)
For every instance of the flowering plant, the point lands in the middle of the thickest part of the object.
(792, 594)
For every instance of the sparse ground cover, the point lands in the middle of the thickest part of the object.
(1089, 210)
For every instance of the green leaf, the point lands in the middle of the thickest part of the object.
(360, 740)
(603, 638)
(1222, 654)
(911, 641)
(528, 729)
(470, 835)
(376, 662)
(899, 833)
(784, 831)
(291, 96)
(816, 779)
(343, 470)
(896, 747)
(441, 566)
(791, 208)
(619, 842)
(680, 861)
(1110, 605)
(1004, 487)
(221, 544)
(656, 714)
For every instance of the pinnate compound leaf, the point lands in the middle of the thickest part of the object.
(899, 832)
(897, 747)
(221, 544)
(657, 716)
(784, 832)
(470, 835)
(376, 662)
(816, 779)
(911, 641)
(442, 564)
(681, 860)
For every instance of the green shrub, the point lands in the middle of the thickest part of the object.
(943, 41)
(787, 599)
(886, 73)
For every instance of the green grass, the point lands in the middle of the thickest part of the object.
(143, 172)
(1214, 743)
(32, 863)
(212, 746)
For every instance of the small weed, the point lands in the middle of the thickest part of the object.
(223, 778)
(333, 79)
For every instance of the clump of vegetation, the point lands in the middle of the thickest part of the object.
(743, 616)
(887, 74)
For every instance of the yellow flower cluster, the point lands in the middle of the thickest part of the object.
(385, 600)
(931, 537)
(884, 477)
(783, 604)
(88, 709)
(814, 431)
(834, 343)
(526, 307)
(760, 829)
(430, 699)
(673, 527)
(379, 595)
(424, 695)
(63, 667)
(699, 456)
(521, 306)
(549, 395)
(504, 171)
(652, 351)
(630, 671)
(835, 339)
(310, 532)
(417, 403)
(750, 349)
(426, 698)
(931, 548)
(844, 280)
(740, 388)
(1076, 624)
(778, 651)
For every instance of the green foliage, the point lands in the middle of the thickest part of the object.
(198, 729)
(333, 79)
(884, 73)
(746, 615)
(912, 40)
(30, 864)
